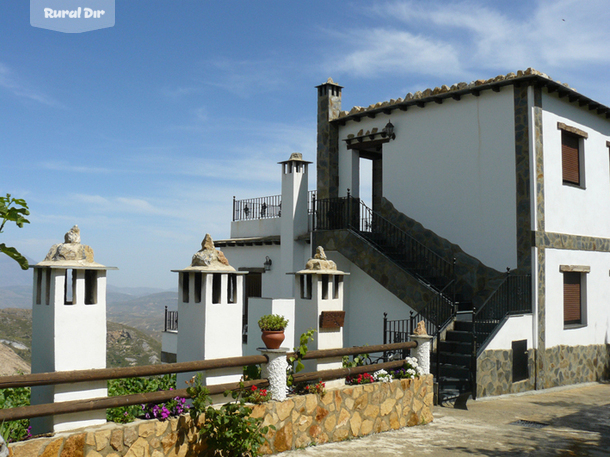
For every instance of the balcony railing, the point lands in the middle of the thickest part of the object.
(257, 208)
(265, 207)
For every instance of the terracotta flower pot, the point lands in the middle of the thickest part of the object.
(273, 339)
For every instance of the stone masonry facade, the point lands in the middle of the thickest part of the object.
(564, 365)
(300, 421)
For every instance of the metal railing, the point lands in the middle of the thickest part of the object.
(351, 213)
(171, 321)
(257, 208)
(74, 406)
(265, 207)
(513, 296)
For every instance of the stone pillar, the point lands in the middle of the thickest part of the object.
(275, 371)
(319, 305)
(210, 302)
(422, 351)
(68, 329)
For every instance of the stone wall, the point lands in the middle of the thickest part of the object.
(565, 365)
(300, 421)
(495, 373)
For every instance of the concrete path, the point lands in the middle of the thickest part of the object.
(578, 421)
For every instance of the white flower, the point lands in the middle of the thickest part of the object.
(382, 376)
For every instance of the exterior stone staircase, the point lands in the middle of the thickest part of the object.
(410, 262)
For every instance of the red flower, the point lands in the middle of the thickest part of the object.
(253, 388)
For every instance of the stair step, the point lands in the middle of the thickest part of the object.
(455, 358)
(458, 335)
(459, 347)
(454, 371)
(464, 305)
(465, 326)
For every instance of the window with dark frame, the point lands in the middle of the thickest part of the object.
(570, 158)
(572, 155)
(572, 298)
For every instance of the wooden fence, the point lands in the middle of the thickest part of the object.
(65, 377)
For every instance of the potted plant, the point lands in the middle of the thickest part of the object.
(272, 326)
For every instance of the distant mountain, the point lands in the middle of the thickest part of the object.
(126, 346)
(16, 296)
(11, 273)
(144, 313)
(134, 291)
(125, 305)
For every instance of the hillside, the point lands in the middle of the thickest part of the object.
(143, 312)
(126, 346)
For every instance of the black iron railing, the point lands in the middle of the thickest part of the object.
(513, 296)
(395, 331)
(257, 208)
(265, 207)
(351, 213)
(171, 321)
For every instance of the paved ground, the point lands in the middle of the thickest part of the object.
(578, 418)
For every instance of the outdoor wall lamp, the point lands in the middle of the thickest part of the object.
(267, 264)
(389, 130)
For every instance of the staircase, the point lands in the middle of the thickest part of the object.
(447, 311)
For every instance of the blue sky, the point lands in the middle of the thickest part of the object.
(142, 133)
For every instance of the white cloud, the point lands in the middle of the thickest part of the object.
(460, 38)
(14, 84)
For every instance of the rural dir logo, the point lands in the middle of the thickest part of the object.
(72, 16)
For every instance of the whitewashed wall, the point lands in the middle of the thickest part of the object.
(365, 301)
(258, 307)
(515, 328)
(452, 168)
(597, 314)
(255, 228)
(570, 209)
(254, 257)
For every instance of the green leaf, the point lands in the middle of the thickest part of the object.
(15, 255)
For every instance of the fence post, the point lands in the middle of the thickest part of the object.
(422, 351)
(275, 371)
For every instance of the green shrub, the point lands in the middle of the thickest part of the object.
(229, 430)
(272, 322)
(13, 398)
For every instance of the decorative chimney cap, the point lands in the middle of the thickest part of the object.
(208, 258)
(295, 157)
(71, 253)
(320, 264)
(330, 82)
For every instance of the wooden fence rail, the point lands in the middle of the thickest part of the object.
(26, 412)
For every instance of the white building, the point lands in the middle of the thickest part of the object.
(511, 172)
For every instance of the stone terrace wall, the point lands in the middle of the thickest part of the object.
(341, 414)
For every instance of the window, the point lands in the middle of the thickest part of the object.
(574, 293)
(572, 157)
